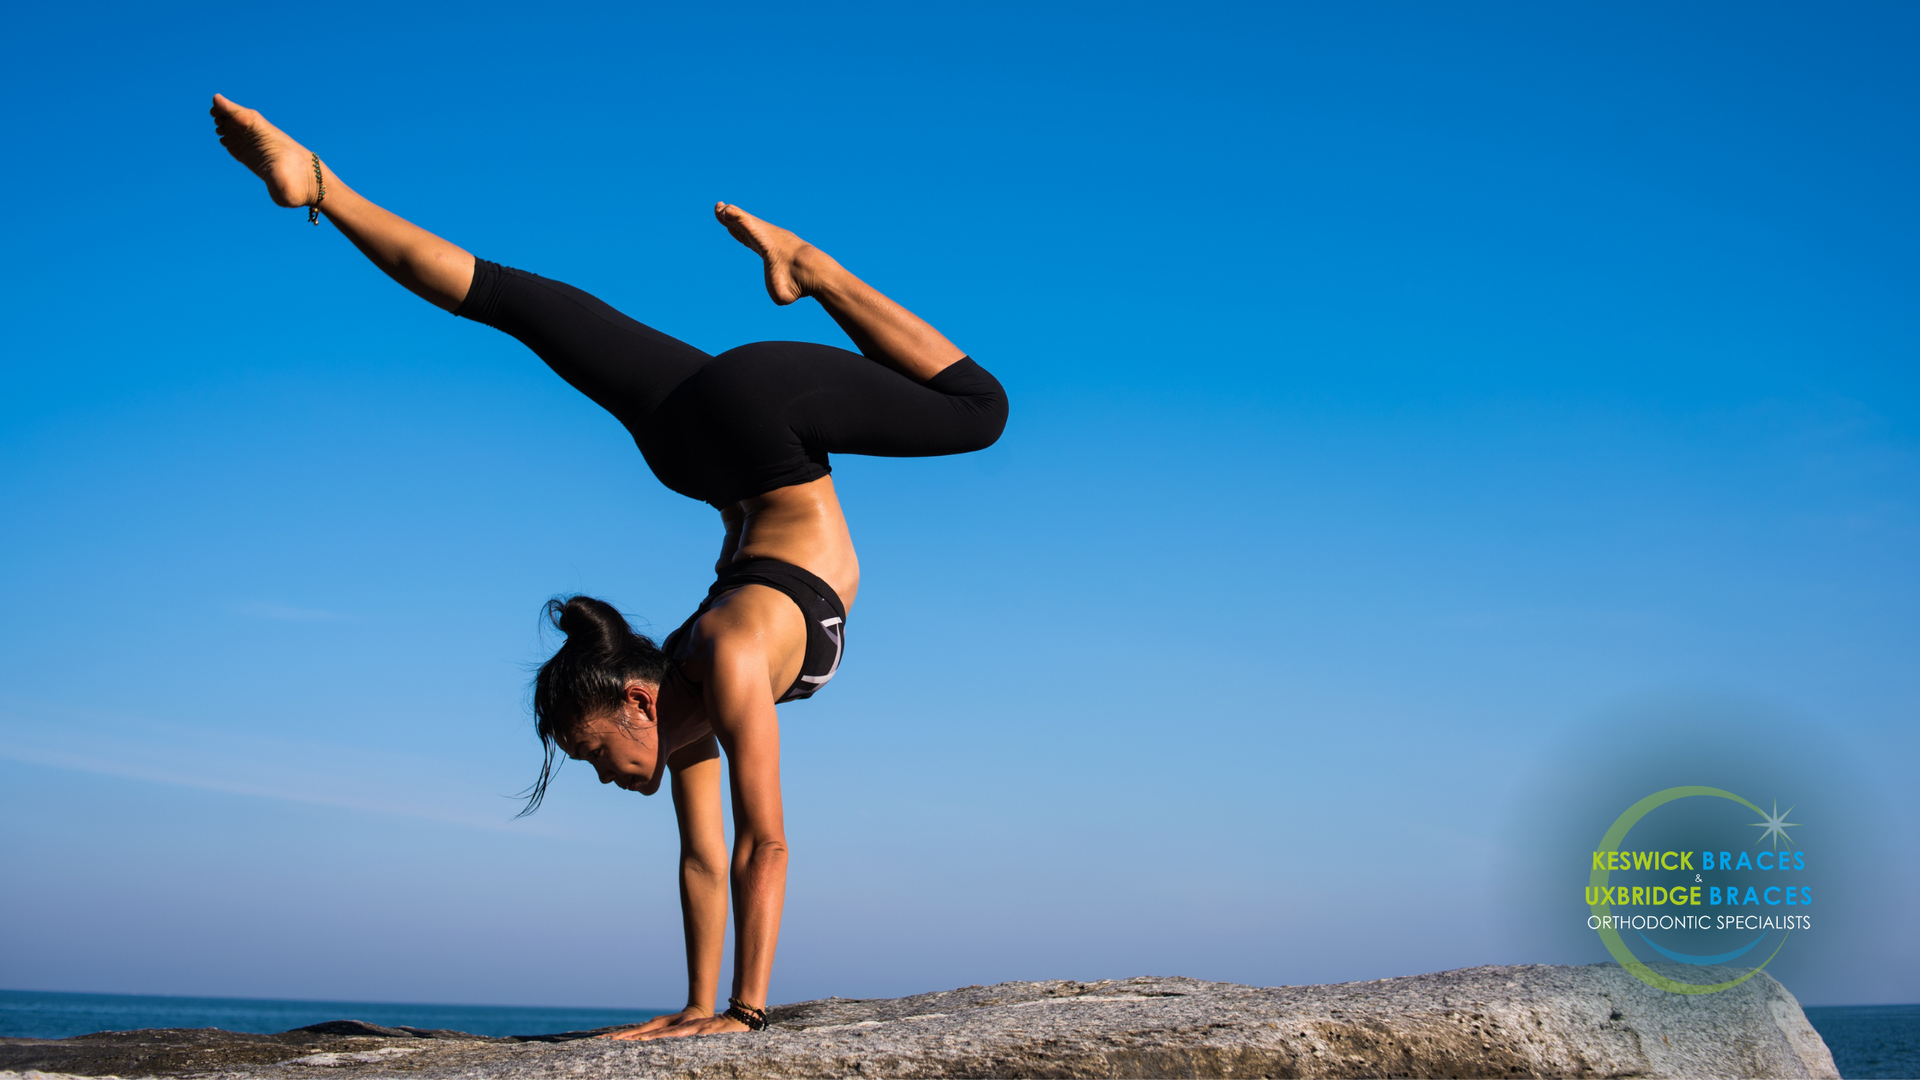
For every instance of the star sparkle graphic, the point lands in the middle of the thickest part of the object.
(1776, 825)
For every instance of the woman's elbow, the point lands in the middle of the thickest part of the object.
(710, 865)
(760, 851)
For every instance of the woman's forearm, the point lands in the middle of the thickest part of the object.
(703, 915)
(759, 895)
(703, 868)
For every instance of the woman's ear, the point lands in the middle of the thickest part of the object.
(644, 700)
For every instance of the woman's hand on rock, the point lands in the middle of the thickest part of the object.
(659, 1025)
(706, 1025)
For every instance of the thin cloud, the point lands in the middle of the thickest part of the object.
(99, 766)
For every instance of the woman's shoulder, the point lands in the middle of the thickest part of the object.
(749, 615)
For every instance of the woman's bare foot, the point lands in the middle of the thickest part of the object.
(795, 268)
(273, 156)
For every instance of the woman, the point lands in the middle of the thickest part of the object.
(749, 432)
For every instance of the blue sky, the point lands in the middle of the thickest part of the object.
(1431, 427)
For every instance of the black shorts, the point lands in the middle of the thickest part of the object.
(754, 418)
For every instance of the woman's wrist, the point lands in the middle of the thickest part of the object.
(753, 1017)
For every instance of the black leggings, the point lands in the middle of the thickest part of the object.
(763, 416)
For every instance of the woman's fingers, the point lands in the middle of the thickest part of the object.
(658, 1023)
(707, 1025)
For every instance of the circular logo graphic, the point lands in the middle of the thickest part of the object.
(1695, 891)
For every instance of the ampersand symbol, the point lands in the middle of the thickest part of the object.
(1696, 877)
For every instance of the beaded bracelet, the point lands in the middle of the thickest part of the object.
(313, 212)
(755, 1019)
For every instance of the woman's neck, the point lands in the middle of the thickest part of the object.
(681, 711)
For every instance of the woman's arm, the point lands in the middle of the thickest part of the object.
(732, 647)
(750, 733)
(703, 868)
(695, 771)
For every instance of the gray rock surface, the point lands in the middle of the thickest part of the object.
(1478, 1022)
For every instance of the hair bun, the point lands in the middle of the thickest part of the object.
(590, 624)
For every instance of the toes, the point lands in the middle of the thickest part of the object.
(227, 108)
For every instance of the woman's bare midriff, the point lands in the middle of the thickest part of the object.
(800, 524)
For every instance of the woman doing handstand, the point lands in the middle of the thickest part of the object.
(748, 431)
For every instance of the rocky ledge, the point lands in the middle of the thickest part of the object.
(1479, 1022)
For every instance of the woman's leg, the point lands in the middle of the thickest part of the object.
(435, 270)
(627, 367)
(623, 365)
(882, 329)
(769, 415)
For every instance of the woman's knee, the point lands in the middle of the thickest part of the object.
(977, 422)
(980, 399)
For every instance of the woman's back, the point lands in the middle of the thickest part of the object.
(801, 524)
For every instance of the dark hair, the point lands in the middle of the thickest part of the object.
(587, 676)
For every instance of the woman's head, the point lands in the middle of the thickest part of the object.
(589, 683)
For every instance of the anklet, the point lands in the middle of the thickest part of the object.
(755, 1019)
(313, 212)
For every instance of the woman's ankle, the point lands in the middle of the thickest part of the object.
(821, 276)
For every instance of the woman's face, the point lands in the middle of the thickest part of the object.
(624, 749)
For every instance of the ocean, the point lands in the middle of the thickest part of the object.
(39, 1015)
(1869, 1042)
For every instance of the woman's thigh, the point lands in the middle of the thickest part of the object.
(625, 366)
(767, 415)
(840, 402)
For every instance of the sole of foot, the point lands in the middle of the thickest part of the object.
(272, 155)
(794, 268)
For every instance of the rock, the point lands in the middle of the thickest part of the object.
(1480, 1022)
(188, 1051)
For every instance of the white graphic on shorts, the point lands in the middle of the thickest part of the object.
(837, 635)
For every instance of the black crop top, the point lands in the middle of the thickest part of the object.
(826, 619)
